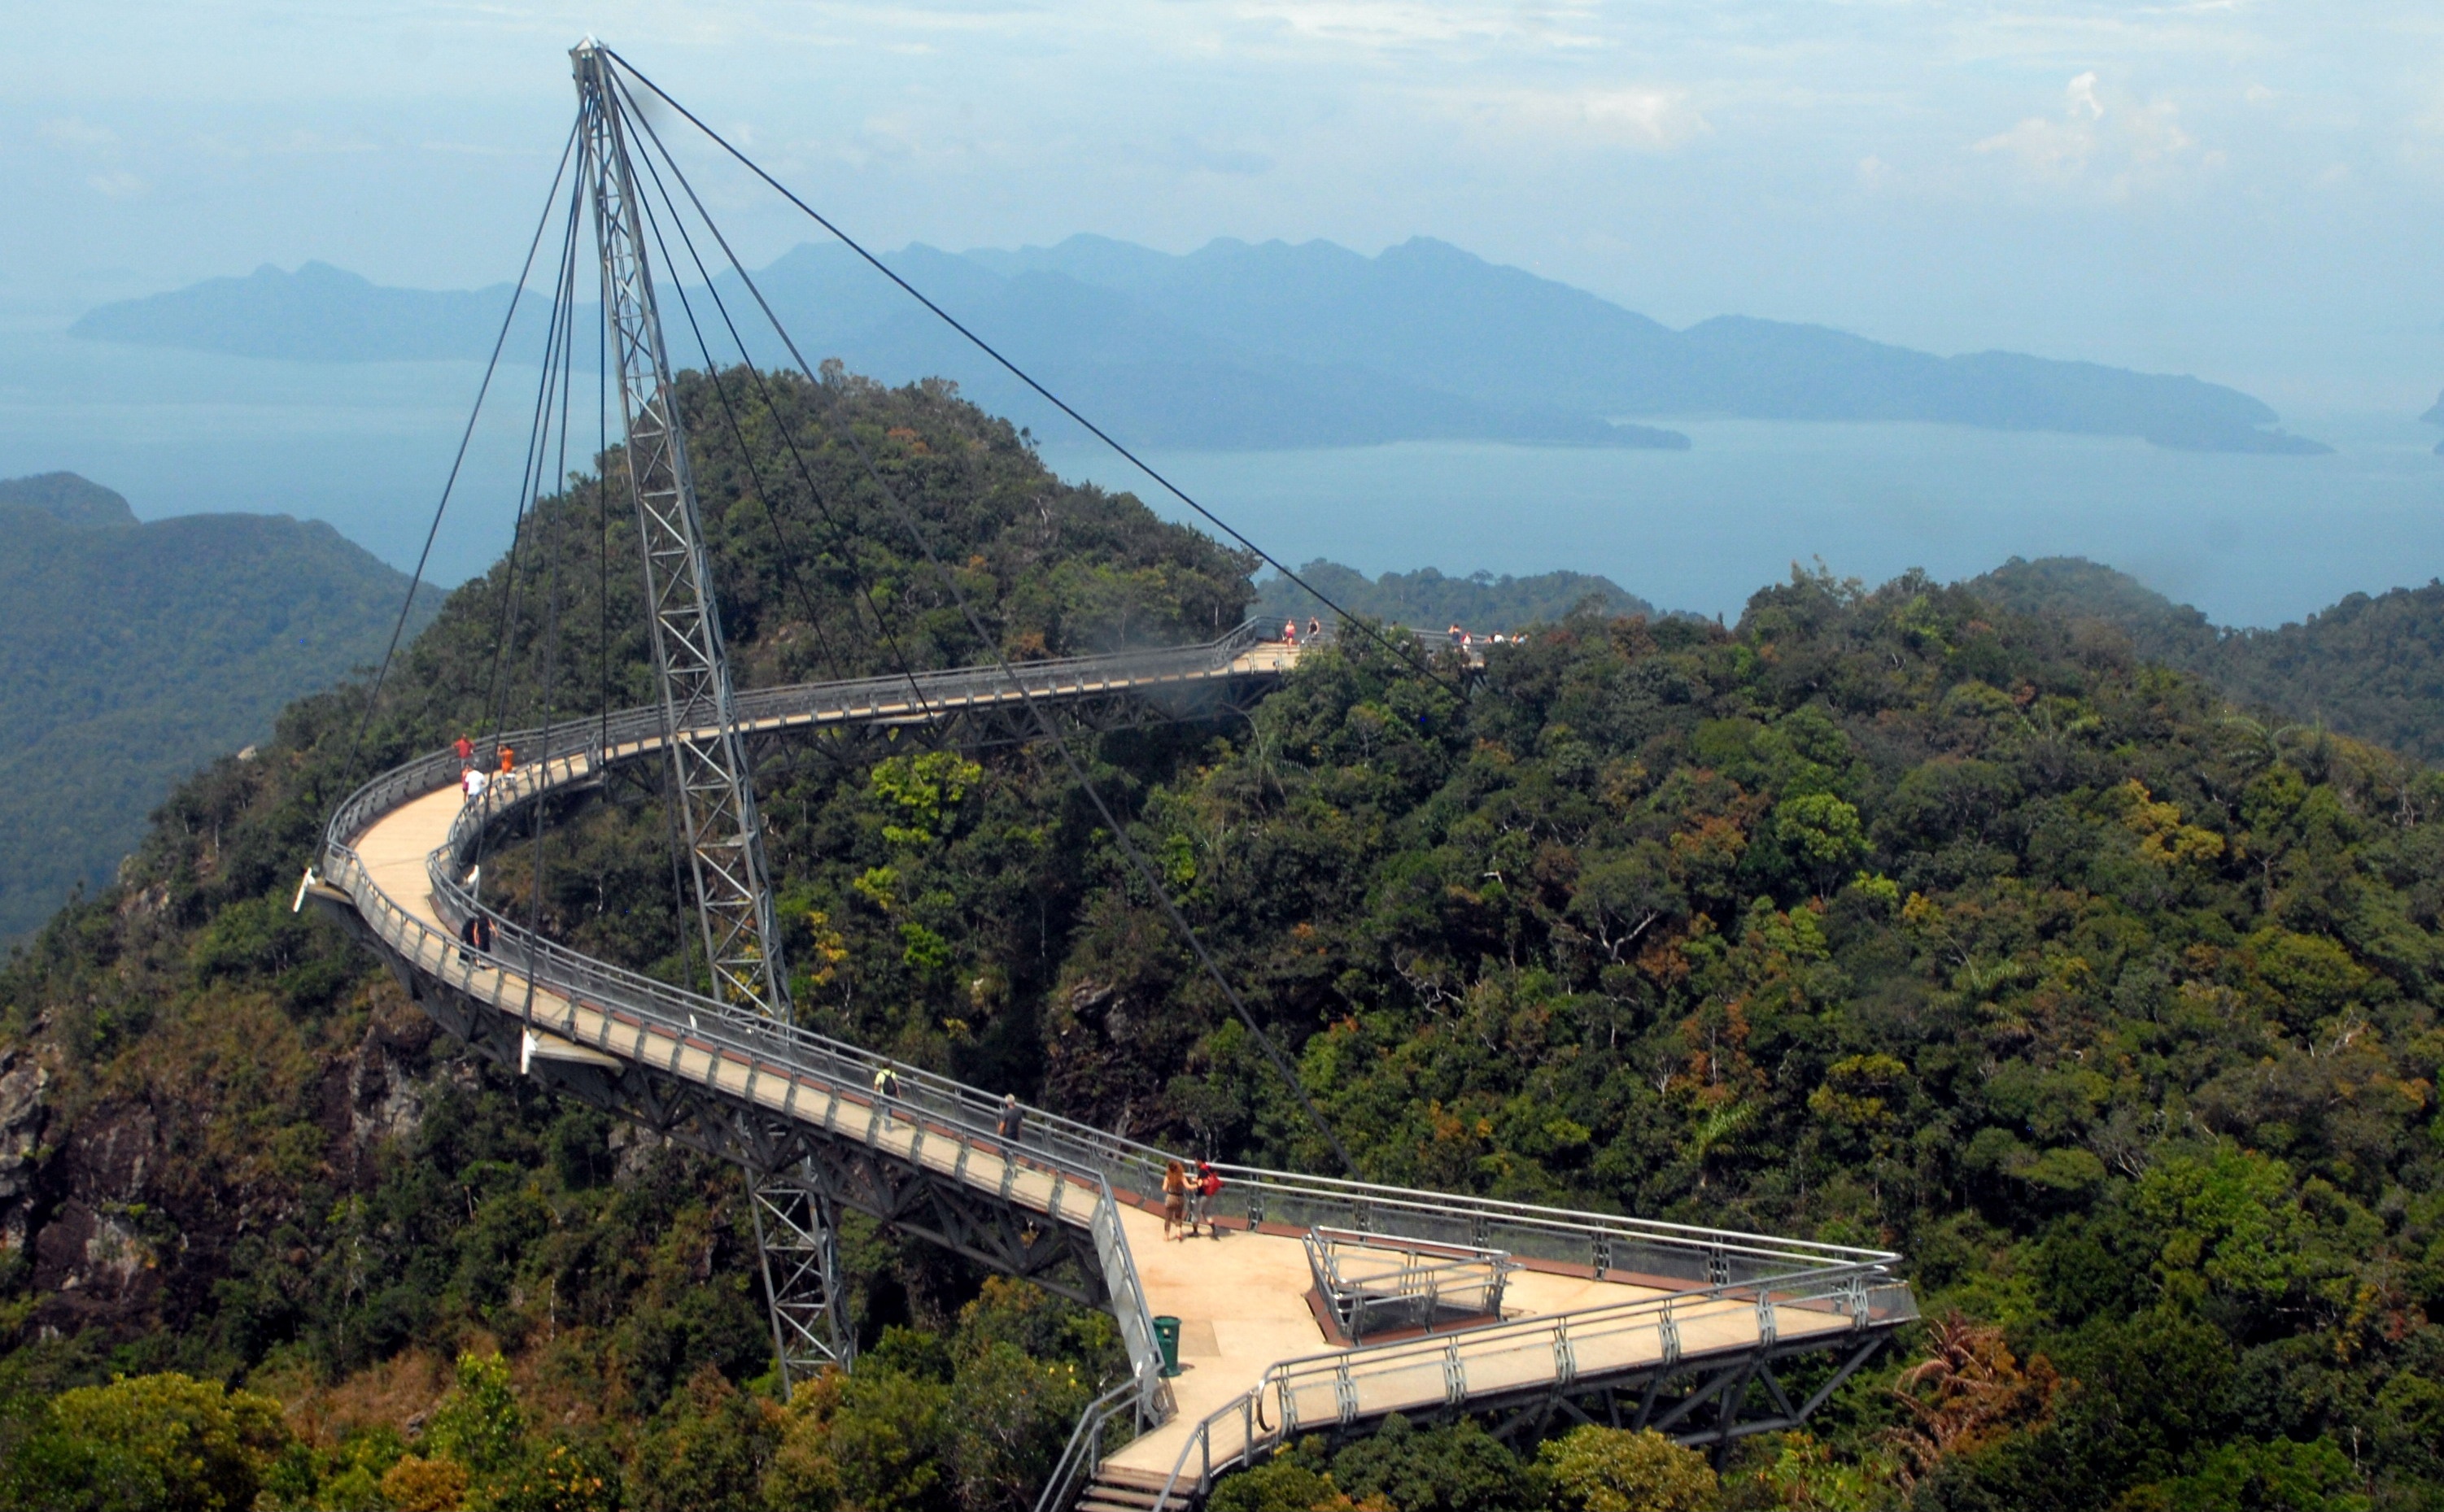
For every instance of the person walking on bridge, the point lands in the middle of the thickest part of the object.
(508, 759)
(1010, 1125)
(471, 780)
(1314, 630)
(466, 750)
(477, 935)
(1175, 1200)
(1202, 1189)
(886, 1090)
(1289, 632)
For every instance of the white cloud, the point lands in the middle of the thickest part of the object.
(315, 142)
(1421, 25)
(120, 184)
(68, 131)
(2114, 147)
(471, 149)
(2081, 101)
(1644, 119)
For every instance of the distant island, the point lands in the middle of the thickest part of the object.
(1261, 346)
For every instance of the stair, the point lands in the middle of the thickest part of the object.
(1114, 1489)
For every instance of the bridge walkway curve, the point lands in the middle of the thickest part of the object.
(1596, 1303)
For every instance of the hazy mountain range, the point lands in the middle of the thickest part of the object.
(132, 654)
(1255, 346)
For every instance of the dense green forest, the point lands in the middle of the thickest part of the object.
(1426, 599)
(132, 654)
(1896, 915)
(2369, 666)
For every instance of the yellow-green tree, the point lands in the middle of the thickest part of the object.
(166, 1442)
(1593, 1468)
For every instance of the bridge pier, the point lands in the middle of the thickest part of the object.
(796, 1241)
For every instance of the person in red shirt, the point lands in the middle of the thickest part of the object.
(466, 749)
(1201, 1191)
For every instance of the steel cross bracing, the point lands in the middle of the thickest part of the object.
(711, 775)
(708, 766)
(1701, 1341)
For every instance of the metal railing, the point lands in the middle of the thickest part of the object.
(1129, 1306)
(1086, 1447)
(1446, 1370)
(1372, 1283)
(562, 992)
(1607, 1245)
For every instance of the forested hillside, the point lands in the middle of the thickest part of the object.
(1426, 599)
(2369, 666)
(1890, 916)
(131, 654)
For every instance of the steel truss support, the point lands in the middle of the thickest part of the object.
(712, 783)
(715, 798)
(796, 1239)
(1703, 1404)
(844, 1173)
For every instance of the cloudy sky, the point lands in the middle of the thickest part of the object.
(2251, 190)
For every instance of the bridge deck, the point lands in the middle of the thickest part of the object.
(1242, 1297)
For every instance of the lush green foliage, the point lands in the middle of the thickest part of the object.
(1425, 600)
(156, 1441)
(1889, 916)
(1593, 1468)
(2369, 667)
(131, 654)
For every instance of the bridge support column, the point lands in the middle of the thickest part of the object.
(796, 1241)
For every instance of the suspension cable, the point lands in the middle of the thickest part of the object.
(553, 531)
(730, 418)
(424, 557)
(909, 519)
(842, 535)
(530, 484)
(1407, 654)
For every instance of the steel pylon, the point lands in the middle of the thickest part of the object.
(711, 776)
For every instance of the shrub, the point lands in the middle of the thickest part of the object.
(1593, 1468)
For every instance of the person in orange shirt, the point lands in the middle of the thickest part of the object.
(508, 759)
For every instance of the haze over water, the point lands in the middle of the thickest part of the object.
(2250, 540)
(2253, 540)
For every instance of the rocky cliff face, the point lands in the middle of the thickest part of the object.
(125, 1202)
(23, 1081)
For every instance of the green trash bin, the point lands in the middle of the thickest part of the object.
(1166, 1338)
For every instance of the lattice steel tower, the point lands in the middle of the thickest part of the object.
(710, 778)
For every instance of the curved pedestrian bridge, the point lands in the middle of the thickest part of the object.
(1645, 1323)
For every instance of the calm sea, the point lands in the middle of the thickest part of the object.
(2250, 540)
